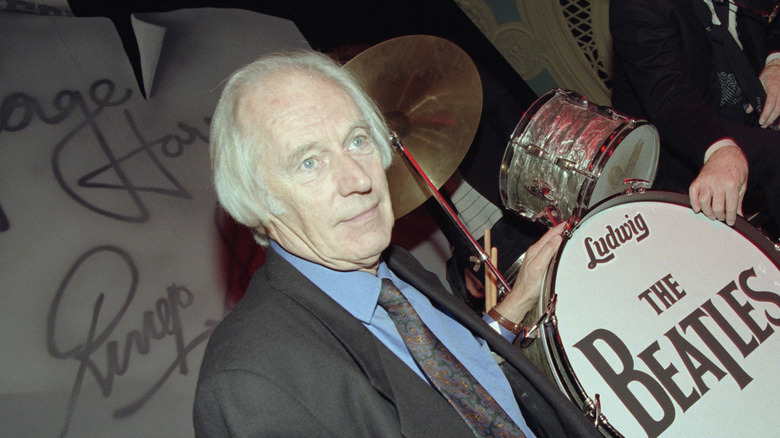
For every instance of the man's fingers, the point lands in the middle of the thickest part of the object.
(719, 206)
(534, 249)
(732, 207)
(693, 196)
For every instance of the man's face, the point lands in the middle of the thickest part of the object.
(323, 168)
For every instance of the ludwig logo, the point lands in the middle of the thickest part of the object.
(601, 249)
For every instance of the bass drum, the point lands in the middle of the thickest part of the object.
(567, 154)
(667, 317)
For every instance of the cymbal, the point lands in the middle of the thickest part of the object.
(429, 91)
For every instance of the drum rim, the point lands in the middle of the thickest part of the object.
(554, 351)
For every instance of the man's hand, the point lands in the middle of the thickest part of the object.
(473, 285)
(770, 79)
(718, 190)
(528, 285)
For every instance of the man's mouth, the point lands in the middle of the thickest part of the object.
(364, 215)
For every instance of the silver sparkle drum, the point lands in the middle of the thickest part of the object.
(670, 318)
(567, 154)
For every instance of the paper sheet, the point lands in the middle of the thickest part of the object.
(114, 265)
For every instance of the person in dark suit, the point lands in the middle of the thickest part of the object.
(707, 75)
(314, 349)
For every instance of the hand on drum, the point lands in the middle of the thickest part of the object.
(525, 292)
(720, 186)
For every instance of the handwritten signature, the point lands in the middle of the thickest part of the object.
(164, 321)
(19, 110)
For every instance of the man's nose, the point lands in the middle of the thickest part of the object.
(351, 176)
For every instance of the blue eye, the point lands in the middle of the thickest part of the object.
(359, 142)
(308, 164)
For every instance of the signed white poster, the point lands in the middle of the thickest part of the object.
(114, 263)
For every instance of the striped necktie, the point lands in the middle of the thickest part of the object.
(482, 413)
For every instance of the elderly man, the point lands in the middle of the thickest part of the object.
(316, 346)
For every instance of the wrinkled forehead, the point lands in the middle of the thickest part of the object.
(263, 100)
(284, 110)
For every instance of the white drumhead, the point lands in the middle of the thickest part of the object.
(635, 157)
(708, 274)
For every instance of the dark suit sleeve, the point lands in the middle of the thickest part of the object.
(662, 53)
(228, 405)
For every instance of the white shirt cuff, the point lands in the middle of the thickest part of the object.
(717, 145)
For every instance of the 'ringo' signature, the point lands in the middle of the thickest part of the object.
(156, 324)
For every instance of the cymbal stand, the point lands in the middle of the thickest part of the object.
(503, 287)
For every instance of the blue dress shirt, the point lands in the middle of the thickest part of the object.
(358, 293)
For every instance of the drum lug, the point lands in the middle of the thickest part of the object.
(529, 334)
(541, 190)
(571, 166)
(550, 216)
(575, 98)
(609, 113)
(636, 185)
(593, 409)
(534, 150)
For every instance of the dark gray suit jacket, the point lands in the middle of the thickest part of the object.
(289, 361)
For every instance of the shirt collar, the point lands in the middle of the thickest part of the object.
(732, 19)
(355, 291)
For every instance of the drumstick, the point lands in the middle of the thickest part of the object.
(493, 280)
(489, 281)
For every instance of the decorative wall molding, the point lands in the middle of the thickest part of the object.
(567, 39)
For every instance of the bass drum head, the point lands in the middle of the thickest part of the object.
(670, 317)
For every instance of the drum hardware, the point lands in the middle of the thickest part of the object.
(530, 334)
(609, 112)
(551, 215)
(541, 190)
(571, 166)
(636, 185)
(592, 408)
(534, 150)
(597, 410)
(593, 411)
(503, 287)
(575, 98)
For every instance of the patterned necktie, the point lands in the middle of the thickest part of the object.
(481, 412)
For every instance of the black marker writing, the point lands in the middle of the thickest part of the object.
(164, 321)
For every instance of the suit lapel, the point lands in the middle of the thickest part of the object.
(421, 409)
(355, 338)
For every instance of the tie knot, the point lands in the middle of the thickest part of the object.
(390, 295)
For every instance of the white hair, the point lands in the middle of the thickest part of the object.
(235, 154)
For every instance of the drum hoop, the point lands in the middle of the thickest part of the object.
(509, 152)
(573, 389)
(557, 359)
